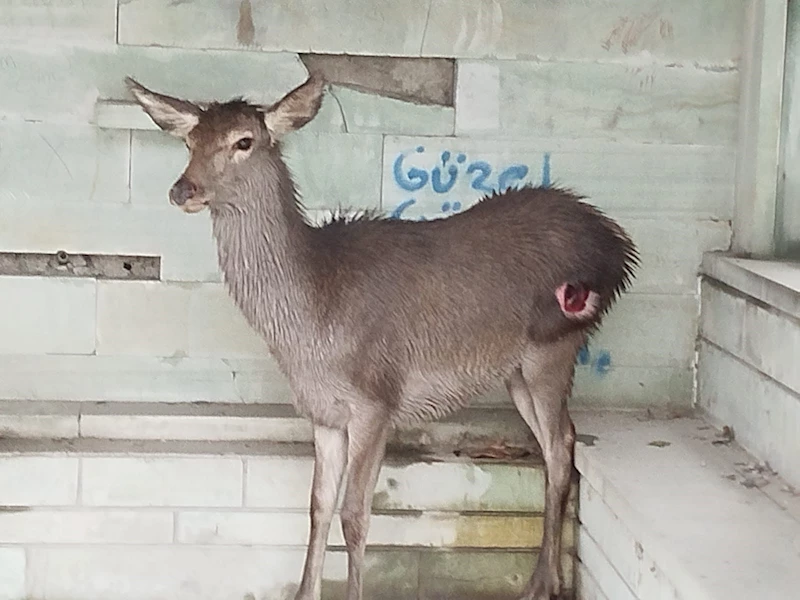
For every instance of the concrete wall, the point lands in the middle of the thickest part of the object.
(787, 220)
(633, 104)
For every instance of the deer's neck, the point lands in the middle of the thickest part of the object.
(265, 255)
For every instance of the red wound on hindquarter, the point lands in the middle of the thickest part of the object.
(577, 301)
(575, 297)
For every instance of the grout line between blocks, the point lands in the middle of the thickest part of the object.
(28, 575)
(244, 482)
(79, 498)
(96, 324)
(116, 22)
(130, 166)
(175, 526)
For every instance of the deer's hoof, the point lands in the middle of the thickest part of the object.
(541, 591)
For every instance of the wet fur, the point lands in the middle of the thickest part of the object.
(421, 316)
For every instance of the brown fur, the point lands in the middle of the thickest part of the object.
(378, 322)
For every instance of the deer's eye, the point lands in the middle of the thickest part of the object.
(244, 144)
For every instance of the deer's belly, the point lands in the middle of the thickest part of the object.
(430, 395)
(324, 401)
(328, 395)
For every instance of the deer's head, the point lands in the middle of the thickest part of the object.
(225, 140)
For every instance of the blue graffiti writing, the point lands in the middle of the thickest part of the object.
(603, 363)
(447, 207)
(484, 170)
(512, 174)
(599, 364)
(507, 177)
(398, 211)
(584, 356)
(443, 178)
(436, 175)
(412, 181)
(546, 170)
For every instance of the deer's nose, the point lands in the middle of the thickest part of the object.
(182, 191)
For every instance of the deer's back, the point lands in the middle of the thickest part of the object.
(433, 312)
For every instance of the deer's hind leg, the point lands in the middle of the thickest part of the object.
(540, 389)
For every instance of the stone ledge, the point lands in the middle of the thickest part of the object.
(217, 422)
(773, 282)
(696, 513)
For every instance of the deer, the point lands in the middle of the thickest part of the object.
(357, 311)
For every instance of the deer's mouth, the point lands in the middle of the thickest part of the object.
(194, 206)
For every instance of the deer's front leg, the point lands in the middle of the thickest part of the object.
(367, 433)
(330, 457)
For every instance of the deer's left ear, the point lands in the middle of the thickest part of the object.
(173, 115)
(296, 108)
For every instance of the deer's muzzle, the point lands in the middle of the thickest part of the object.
(182, 191)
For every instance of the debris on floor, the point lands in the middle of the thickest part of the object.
(752, 475)
(587, 439)
(659, 443)
(725, 437)
(499, 450)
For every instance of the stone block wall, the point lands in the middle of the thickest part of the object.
(632, 104)
(749, 341)
(211, 522)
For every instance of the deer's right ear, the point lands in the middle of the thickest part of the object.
(177, 117)
(295, 109)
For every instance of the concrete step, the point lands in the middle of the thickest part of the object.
(747, 355)
(673, 509)
(94, 519)
(235, 422)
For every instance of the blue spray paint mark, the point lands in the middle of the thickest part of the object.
(436, 176)
(412, 181)
(398, 211)
(546, 170)
(603, 363)
(484, 169)
(511, 174)
(444, 177)
(584, 355)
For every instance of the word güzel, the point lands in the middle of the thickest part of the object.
(442, 179)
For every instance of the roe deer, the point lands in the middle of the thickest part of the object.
(358, 312)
